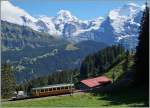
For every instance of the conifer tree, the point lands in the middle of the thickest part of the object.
(142, 51)
(8, 83)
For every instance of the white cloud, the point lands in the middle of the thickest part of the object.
(13, 14)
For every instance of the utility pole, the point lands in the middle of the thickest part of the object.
(71, 80)
(71, 83)
(113, 77)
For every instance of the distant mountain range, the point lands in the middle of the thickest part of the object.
(40, 46)
(119, 26)
(33, 54)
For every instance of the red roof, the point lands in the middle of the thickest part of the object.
(93, 82)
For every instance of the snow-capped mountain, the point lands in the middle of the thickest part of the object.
(45, 24)
(120, 25)
(126, 22)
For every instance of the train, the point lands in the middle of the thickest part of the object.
(49, 90)
(52, 90)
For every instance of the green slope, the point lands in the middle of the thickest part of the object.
(118, 69)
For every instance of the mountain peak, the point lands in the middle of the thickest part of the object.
(65, 15)
(127, 10)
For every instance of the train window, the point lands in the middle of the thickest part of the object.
(42, 90)
(50, 89)
(46, 90)
(62, 87)
(54, 88)
(66, 87)
(58, 88)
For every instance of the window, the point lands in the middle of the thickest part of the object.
(54, 88)
(46, 90)
(66, 87)
(42, 90)
(62, 88)
(50, 89)
(58, 88)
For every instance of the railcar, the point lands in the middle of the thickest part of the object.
(52, 90)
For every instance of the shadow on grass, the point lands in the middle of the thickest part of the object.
(131, 96)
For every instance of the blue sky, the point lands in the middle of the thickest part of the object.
(83, 9)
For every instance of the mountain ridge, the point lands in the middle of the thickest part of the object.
(34, 54)
(67, 26)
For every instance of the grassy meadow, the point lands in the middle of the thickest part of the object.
(127, 99)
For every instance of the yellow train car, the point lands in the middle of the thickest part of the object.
(52, 90)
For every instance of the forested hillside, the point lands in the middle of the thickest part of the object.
(102, 61)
